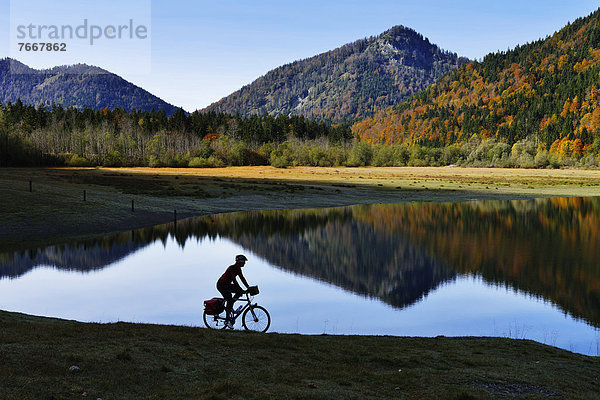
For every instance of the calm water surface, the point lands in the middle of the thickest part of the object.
(519, 269)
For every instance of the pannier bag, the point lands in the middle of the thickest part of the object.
(214, 306)
(253, 290)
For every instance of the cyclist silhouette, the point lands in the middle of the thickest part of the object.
(227, 284)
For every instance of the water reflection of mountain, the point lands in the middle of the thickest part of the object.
(83, 256)
(549, 248)
(332, 246)
(398, 253)
(324, 244)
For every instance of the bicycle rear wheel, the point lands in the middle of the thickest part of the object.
(214, 321)
(256, 318)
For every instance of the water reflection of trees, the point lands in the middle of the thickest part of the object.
(548, 248)
(398, 253)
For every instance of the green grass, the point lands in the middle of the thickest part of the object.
(136, 361)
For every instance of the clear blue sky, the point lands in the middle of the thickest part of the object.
(202, 50)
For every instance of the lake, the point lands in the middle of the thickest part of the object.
(520, 269)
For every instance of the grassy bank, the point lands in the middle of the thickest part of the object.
(54, 210)
(135, 361)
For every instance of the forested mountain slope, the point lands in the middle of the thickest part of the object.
(352, 81)
(547, 91)
(77, 86)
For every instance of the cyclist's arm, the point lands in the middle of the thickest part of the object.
(243, 280)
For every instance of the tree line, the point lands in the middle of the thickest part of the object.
(59, 136)
(85, 137)
(55, 135)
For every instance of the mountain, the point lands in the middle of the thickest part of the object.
(77, 86)
(352, 81)
(547, 91)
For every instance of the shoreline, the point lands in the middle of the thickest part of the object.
(124, 360)
(55, 212)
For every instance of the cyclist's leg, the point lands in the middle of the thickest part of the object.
(225, 290)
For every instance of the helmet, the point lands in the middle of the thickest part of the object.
(240, 257)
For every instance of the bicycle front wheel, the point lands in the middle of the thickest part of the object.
(256, 318)
(213, 321)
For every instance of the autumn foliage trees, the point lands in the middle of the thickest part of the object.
(547, 91)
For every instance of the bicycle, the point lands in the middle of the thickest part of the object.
(254, 317)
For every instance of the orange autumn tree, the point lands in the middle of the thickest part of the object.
(547, 90)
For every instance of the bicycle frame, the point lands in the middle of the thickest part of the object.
(235, 314)
(248, 304)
